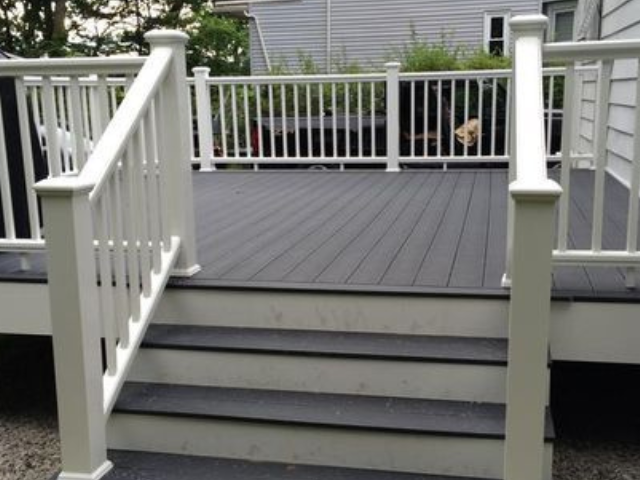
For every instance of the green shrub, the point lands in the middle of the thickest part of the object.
(421, 56)
(481, 60)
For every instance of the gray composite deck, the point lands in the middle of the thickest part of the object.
(418, 231)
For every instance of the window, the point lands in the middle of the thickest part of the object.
(561, 21)
(563, 26)
(496, 33)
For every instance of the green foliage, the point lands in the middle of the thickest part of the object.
(421, 56)
(38, 28)
(481, 60)
(220, 43)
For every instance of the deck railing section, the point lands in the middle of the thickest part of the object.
(389, 119)
(116, 231)
(61, 109)
(81, 106)
(616, 253)
(533, 198)
(301, 119)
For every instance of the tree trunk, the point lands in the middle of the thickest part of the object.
(59, 31)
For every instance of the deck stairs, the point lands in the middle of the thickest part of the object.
(233, 384)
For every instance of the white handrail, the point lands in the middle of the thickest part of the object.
(70, 66)
(290, 79)
(593, 50)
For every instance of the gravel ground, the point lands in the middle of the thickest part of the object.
(597, 440)
(29, 447)
(596, 460)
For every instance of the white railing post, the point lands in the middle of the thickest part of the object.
(506, 278)
(76, 331)
(534, 198)
(393, 116)
(203, 109)
(175, 150)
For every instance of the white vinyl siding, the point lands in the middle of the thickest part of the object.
(621, 20)
(373, 31)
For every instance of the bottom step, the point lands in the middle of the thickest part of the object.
(131, 465)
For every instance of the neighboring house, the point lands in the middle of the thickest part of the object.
(372, 32)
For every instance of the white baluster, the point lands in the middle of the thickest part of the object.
(27, 157)
(203, 109)
(393, 117)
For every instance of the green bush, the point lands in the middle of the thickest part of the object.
(481, 60)
(422, 56)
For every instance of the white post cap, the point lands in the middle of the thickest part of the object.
(166, 37)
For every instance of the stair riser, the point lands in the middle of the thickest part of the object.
(311, 445)
(479, 383)
(336, 311)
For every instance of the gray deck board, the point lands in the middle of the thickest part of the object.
(339, 210)
(404, 269)
(315, 264)
(469, 264)
(438, 263)
(376, 262)
(495, 253)
(425, 231)
(355, 252)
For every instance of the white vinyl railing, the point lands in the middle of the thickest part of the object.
(57, 111)
(81, 107)
(388, 118)
(568, 251)
(115, 231)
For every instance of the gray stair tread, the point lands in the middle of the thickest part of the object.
(131, 465)
(488, 351)
(439, 417)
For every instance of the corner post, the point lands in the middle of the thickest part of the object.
(76, 331)
(203, 107)
(534, 197)
(175, 149)
(393, 116)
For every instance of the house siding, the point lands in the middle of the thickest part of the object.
(621, 20)
(369, 32)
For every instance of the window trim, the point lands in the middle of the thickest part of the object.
(490, 15)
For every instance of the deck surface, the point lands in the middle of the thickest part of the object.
(418, 231)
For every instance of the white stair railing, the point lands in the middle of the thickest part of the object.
(533, 199)
(115, 233)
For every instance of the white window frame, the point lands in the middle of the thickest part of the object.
(506, 16)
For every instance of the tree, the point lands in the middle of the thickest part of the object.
(38, 28)
(34, 28)
(220, 43)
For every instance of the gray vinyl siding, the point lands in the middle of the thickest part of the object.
(369, 32)
(587, 93)
(289, 29)
(621, 20)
